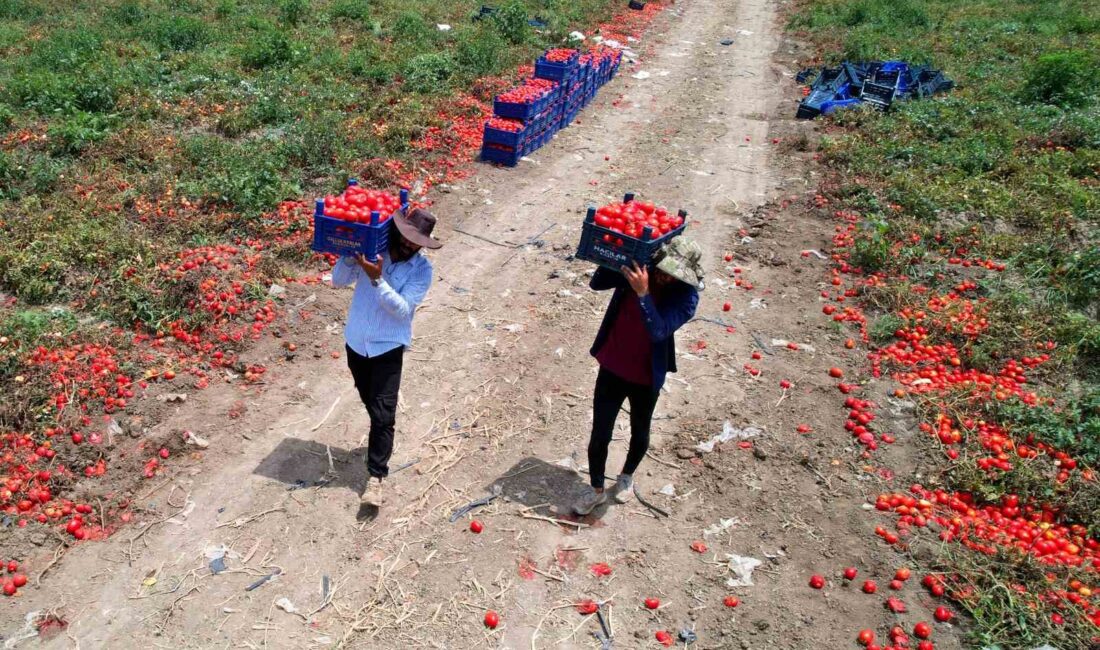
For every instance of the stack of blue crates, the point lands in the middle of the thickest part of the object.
(579, 79)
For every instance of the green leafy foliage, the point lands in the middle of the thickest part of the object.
(180, 34)
(77, 132)
(1062, 78)
(269, 47)
(350, 9)
(293, 12)
(427, 73)
(511, 21)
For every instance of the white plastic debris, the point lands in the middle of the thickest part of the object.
(729, 432)
(276, 290)
(29, 631)
(721, 526)
(191, 439)
(742, 568)
(758, 303)
(744, 32)
(188, 508)
(746, 240)
(816, 253)
(285, 605)
(472, 321)
(576, 36)
(514, 328)
(668, 490)
(172, 397)
(782, 343)
(443, 27)
(559, 353)
(641, 74)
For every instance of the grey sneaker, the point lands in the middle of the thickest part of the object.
(623, 492)
(373, 496)
(588, 501)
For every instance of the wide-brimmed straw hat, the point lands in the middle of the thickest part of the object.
(682, 258)
(417, 226)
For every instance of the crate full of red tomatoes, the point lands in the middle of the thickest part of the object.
(356, 221)
(619, 234)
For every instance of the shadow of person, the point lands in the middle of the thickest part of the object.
(366, 513)
(546, 488)
(305, 463)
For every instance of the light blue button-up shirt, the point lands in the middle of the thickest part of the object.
(380, 318)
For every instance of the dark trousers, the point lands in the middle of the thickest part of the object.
(611, 392)
(378, 379)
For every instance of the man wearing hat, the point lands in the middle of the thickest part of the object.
(379, 328)
(635, 349)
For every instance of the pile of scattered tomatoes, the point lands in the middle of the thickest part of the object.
(505, 124)
(530, 91)
(560, 55)
(357, 203)
(14, 580)
(931, 366)
(631, 218)
(85, 373)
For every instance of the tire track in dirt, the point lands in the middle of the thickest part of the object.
(487, 398)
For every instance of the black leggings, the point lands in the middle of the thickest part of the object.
(611, 392)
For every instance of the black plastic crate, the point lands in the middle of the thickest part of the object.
(615, 250)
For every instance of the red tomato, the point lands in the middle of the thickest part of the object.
(492, 619)
(922, 630)
(850, 573)
(902, 574)
(699, 546)
(9, 588)
(731, 601)
(869, 587)
(836, 373)
(866, 637)
(652, 603)
(664, 638)
(476, 527)
(943, 614)
(587, 607)
(817, 582)
(19, 580)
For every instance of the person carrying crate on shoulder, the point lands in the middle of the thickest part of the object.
(635, 349)
(379, 328)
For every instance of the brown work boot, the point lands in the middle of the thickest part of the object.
(372, 496)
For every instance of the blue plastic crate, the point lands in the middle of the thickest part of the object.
(501, 157)
(556, 71)
(518, 111)
(601, 245)
(340, 237)
(505, 138)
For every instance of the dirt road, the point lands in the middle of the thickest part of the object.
(497, 392)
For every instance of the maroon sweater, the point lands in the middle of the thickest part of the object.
(628, 350)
